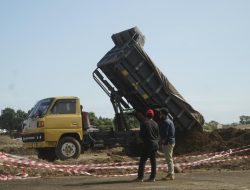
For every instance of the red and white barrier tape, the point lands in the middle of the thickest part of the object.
(23, 163)
(212, 153)
(11, 177)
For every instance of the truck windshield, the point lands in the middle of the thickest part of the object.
(41, 107)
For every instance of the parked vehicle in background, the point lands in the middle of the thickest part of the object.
(3, 131)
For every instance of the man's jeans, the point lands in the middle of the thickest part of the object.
(168, 152)
(142, 163)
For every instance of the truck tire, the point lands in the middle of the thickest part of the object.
(67, 148)
(47, 154)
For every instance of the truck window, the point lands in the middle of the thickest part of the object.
(41, 106)
(64, 107)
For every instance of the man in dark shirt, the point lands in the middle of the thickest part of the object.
(167, 132)
(149, 133)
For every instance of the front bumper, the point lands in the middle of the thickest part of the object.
(37, 140)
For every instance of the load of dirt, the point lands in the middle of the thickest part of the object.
(197, 143)
(218, 140)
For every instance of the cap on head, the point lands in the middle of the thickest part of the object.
(150, 113)
(164, 110)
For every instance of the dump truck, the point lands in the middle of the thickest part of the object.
(56, 126)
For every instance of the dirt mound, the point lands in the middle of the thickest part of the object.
(7, 141)
(218, 140)
(14, 146)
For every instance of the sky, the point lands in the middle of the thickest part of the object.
(51, 47)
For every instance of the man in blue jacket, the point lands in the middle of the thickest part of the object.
(167, 133)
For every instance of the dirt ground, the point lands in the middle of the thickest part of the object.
(196, 180)
(199, 166)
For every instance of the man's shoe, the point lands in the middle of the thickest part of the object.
(138, 180)
(168, 177)
(172, 177)
(151, 180)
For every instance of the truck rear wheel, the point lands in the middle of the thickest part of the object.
(68, 147)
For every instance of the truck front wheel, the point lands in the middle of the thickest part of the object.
(68, 147)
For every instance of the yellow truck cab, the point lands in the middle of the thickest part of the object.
(55, 128)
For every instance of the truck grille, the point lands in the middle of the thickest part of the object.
(38, 137)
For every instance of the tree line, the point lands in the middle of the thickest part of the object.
(12, 120)
(212, 125)
(244, 119)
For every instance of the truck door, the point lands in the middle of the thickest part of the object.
(63, 116)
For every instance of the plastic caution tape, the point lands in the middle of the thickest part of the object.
(23, 163)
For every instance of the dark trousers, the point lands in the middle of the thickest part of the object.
(151, 155)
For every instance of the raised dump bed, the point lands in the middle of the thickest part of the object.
(128, 75)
